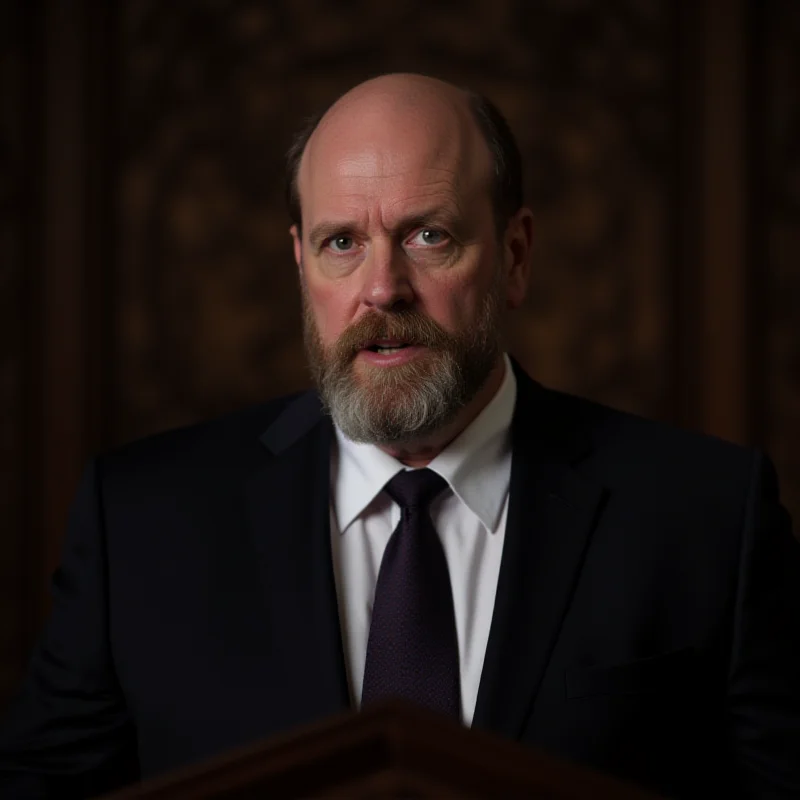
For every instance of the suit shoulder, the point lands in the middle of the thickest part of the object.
(648, 443)
(219, 440)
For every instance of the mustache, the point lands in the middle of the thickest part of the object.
(409, 326)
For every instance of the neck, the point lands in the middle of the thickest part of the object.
(421, 452)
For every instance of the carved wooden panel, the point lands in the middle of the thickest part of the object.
(782, 262)
(593, 112)
(12, 365)
(207, 292)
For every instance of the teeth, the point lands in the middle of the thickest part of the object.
(388, 350)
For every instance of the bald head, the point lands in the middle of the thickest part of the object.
(402, 94)
(389, 128)
(392, 118)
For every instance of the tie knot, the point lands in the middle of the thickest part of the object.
(415, 488)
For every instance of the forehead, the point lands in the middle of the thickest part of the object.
(394, 154)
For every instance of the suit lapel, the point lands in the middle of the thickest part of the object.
(288, 504)
(552, 511)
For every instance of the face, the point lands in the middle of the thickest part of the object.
(404, 279)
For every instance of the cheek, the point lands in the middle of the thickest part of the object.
(455, 301)
(331, 309)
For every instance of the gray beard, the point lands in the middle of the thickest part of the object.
(398, 409)
(404, 404)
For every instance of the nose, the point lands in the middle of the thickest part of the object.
(387, 283)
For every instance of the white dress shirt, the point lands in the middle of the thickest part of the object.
(469, 516)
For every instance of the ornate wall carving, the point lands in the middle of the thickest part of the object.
(782, 264)
(597, 129)
(207, 291)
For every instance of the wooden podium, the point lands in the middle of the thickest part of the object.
(389, 750)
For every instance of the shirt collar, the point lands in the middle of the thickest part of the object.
(476, 465)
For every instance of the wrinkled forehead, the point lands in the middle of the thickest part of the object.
(388, 141)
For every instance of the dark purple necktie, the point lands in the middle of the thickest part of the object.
(412, 651)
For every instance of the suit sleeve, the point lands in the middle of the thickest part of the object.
(67, 733)
(764, 674)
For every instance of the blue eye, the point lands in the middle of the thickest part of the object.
(341, 244)
(429, 237)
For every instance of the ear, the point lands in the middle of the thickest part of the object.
(297, 242)
(517, 245)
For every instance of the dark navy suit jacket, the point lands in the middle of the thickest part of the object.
(647, 618)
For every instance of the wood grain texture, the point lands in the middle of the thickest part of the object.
(723, 277)
(12, 367)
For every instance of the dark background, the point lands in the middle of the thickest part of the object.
(146, 277)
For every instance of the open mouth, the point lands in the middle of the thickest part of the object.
(387, 348)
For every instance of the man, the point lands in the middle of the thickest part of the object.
(614, 591)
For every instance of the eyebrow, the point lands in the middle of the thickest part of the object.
(319, 233)
(439, 215)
